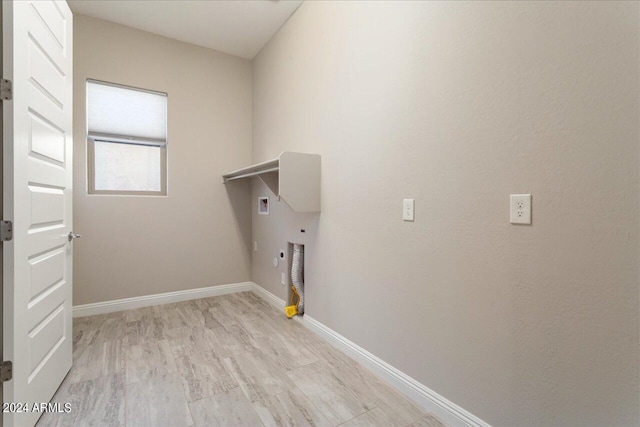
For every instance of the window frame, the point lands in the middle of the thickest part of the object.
(93, 137)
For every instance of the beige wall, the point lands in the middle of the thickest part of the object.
(458, 105)
(198, 235)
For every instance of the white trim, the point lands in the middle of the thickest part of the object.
(159, 299)
(447, 411)
(268, 296)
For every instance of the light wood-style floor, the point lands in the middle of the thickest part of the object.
(231, 360)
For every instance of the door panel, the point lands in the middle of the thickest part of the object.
(37, 273)
(47, 141)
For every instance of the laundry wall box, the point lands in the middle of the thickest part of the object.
(294, 177)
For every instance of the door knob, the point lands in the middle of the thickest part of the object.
(73, 235)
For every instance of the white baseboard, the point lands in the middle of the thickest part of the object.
(159, 299)
(268, 296)
(429, 400)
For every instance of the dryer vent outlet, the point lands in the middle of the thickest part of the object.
(296, 268)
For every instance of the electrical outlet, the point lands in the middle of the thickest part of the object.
(407, 209)
(520, 208)
(283, 279)
(255, 246)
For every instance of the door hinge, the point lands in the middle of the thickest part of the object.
(6, 90)
(6, 371)
(6, 231)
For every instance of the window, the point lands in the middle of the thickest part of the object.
(127, 140)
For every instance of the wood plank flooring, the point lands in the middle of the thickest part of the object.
(231, 360)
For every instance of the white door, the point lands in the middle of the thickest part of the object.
(37, 124)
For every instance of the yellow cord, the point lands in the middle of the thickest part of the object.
(292, 309)
(294, 293)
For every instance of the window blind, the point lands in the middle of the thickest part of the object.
(122, 114)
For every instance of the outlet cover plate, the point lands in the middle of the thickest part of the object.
(408, 207)
(520, 209)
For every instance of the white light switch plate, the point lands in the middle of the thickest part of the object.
(520, 209)
(283, 279)
(408, 206)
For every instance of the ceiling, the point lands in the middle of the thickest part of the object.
(238, 27)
